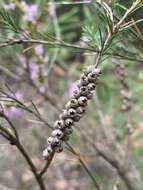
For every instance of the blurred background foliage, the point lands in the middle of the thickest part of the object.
(55, 71)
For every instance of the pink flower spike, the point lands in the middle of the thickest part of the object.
(34, 69)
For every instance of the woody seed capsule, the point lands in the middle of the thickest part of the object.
(68, 122)
(50, 140)
(45, 154)
(80, 110)
(89, 69)
(91, 86)
(59, 124)
(58, 133)
(56, 142)
(53, 141)
(83, 90)
(84, 81)
(71, 112)
(73, 103)
(82, 101)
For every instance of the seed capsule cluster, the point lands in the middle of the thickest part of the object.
(73, 111)
(125, 92)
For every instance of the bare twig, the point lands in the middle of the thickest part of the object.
(84, 166)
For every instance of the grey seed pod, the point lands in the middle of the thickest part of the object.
(83, 90)
(71, 112)
(59, 124)
(63, 115)
(82, 101)
(45, 154)
(88, 69)
(58, 149)
(73, 103)
(91, 86)
(68, 131)
(56, 142)
(92, 77)
(77, 117)
(84, 81)
(80, 110)
(53, 141)
(96, 71)
(57, 133)
(50, 140)
(68, 122)
(89, 96)
(48, 152)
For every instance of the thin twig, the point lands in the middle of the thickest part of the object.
(57, 44)
(71, 3)
(70, 148)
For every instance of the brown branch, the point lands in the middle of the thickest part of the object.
(46, 166)
(31, 165)
(57, 44)
(16, 142)
(70, 148)
(127, 173)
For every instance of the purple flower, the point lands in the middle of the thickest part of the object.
(34, 70)
(18, 95)
(72, 88)
(39, 50)
(13, 112)
(30, 11)
(8, 6)
(33, 67)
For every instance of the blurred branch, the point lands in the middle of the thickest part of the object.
(71, 3)
(12, 42)
(57, 33)
(9, 73)
(127, 13)
(46, 96)
(70, 148)
(14, 140)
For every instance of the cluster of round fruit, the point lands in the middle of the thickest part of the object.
(73, 111)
